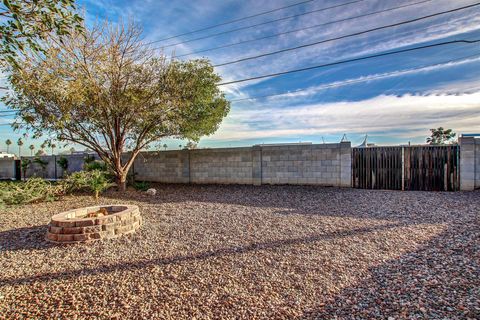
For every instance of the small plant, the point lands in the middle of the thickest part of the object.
(63, 163)
(95, 165)
(25, 165)
(95, 181)
(30, 191)
(42, 163)
(141, 185)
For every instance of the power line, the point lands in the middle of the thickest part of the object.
(359, 80)
(351, 60)
(235, 20)
(305, 28)
(365, 78)
(254, 25)
(345, 36)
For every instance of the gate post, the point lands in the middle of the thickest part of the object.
(467, 163)
(403, 168)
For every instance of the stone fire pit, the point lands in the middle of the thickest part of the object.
(93, 223)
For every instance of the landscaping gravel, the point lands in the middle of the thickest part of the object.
(272, 252)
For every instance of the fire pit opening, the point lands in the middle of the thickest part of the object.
(94, 223)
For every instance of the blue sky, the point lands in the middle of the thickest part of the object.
(394, 99)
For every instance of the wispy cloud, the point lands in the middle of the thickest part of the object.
(380, 114)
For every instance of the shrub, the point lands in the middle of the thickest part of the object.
(42, 163)
(29, 191)
(63, 163)
(141, 185)
(95, 165)
(25, 164)
(95, 181)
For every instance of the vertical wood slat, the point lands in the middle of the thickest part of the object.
(429, 168)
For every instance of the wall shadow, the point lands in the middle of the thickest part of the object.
(408, 206)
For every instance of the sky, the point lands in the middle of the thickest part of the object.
(394, 99)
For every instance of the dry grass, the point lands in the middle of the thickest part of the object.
(252, 252)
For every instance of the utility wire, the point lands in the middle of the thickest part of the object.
(351, 60)
(346, 36)
(364, 78)
(254, 25)
(235, 20)
(305, 28)
(349, 82)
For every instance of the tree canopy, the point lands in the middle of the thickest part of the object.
(440, 136)
(109, 92)
(26, 24)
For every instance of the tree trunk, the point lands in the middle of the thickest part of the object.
(121, 182)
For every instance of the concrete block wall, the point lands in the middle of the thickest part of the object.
(319, 164)
(7, 168)
(52, 169)
(322, 164)
(231, 165)
(477, 163)
(162, 166)
(469, 163)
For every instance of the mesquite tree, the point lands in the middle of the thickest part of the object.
(106, 90)
(25, 24)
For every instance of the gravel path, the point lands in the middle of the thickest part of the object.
(252, 252)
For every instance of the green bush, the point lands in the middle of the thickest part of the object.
(63, 163)
(29, 191)
(141, 185)
(95, 165)
(95, 181)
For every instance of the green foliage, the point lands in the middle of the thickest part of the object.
(69, 94)
(32, 190)
(95, 165)
(42, 163)
(25, 164)
(8, 142)
(27, 23)
(441, 136)
(95, 181)
(141, 185)
(63, 163)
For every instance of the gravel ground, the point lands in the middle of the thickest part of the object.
(252, 252)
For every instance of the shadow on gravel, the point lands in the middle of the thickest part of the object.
(390, 205)
(222, 252)
(439, 281)
(28, 238)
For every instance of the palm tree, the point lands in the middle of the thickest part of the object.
(53, 146)
(20, 144)
(31, 147)
(8, 142)
(180, 146)
(43, 145)
(165, 146)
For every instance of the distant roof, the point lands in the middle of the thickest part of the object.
(282, 144)
(6, 155)
(470, 134)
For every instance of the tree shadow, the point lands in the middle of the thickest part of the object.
(221, 252)
(439, 281)
(419, 206)
(27, 238)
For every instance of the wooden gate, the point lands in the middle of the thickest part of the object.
(429, 168)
